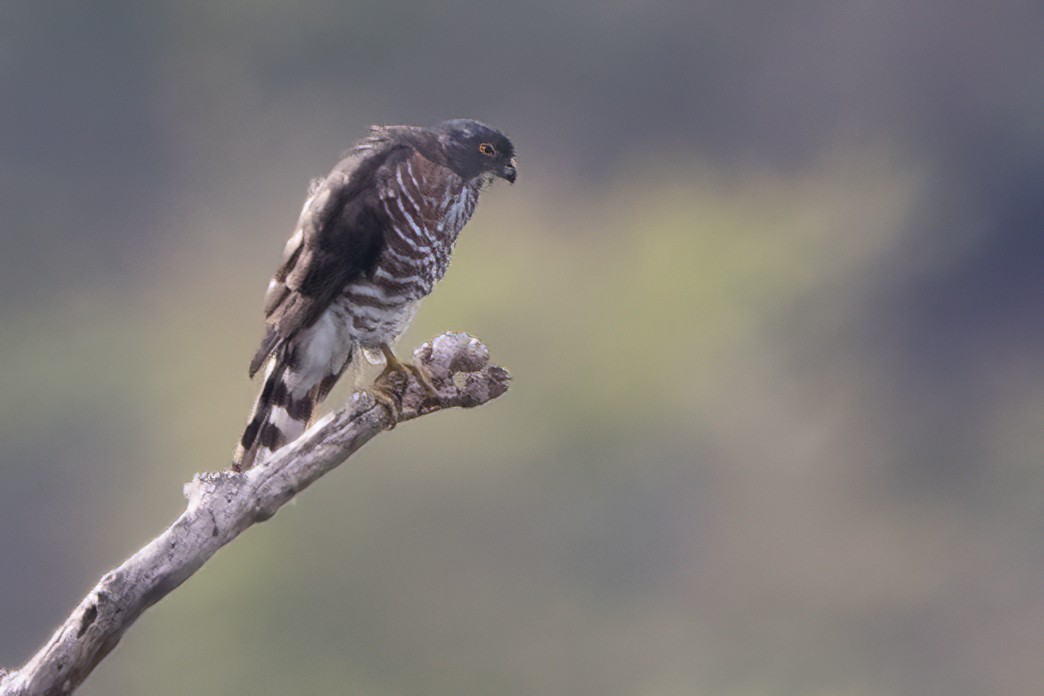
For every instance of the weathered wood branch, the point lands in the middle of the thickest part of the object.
(223, 504)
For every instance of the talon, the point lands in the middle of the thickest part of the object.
(423, 378)
(392, 364)
(387, 396)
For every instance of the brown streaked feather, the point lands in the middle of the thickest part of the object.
(337, 238)
(268, 344)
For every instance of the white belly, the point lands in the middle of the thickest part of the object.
(373, 316)
(364, 316)
(321, 350)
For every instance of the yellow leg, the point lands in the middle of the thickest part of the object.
(385, 395)
(386, 392)
(392, 363)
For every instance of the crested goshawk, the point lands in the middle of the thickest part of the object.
(373, 238)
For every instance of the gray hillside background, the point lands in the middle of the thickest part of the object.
(771, 286)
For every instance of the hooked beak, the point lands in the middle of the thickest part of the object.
(508, 171)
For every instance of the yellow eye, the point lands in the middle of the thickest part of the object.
(487, 149)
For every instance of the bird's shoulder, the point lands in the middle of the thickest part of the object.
(346, 202)
(340, 231)
(372, 170)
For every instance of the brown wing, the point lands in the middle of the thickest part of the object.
(338, 237)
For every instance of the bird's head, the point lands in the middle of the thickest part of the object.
(474, 149)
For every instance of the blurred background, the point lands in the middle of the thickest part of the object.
(770, 286)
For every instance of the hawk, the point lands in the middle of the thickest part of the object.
(372, 239)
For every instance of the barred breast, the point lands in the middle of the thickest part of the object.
(426, 209)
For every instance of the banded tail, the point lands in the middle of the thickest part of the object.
(282, 412)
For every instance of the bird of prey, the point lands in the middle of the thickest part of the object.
(373, 238)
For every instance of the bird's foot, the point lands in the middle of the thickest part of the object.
(420, 374)
(393, 380)
(387, 391)
(423, 378)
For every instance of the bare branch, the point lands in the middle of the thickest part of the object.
(222, 505)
